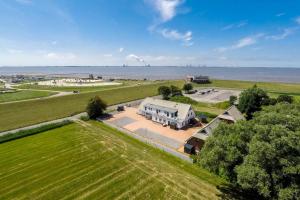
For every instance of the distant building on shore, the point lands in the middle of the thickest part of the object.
(198, 79)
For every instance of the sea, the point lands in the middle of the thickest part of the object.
(268, 74)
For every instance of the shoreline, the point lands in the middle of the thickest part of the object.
(254, 74)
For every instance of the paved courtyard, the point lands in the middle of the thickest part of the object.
(213, 95)
(130, 120)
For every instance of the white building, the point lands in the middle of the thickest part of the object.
(177, 115)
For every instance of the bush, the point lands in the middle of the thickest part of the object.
(285, 98)
(84, 118)
(25, 133)
(164, 91)
(187, 87)
(96, 107)
(175, 91)
(251, 100)
(232, 100)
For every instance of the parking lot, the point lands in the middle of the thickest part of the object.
(131, 121)
(213, 95)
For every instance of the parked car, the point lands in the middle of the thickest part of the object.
(120, 108)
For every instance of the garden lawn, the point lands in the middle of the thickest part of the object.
(20, 114)
(23, 95)
(89, 160)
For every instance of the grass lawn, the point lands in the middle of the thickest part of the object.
(209, 108)
(23, 95)
(89, 160)
(83, 89)
(22, 114)
(269, 86)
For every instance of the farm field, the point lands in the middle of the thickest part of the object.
(289, 88)
(37, 111)
(23, 95)
(85, 88)
(89, 160)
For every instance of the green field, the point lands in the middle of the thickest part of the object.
(89, 160)
(213, 108)
(26, 113)
(23, 95)
(289, 88)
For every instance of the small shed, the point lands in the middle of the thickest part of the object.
(190, 149)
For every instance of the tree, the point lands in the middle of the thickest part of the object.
(232, 100)
(251, 100)
(260, 155)
(95, 107)
(164, 91)
(272, 101)
(187, 87)
(285, 98)
(175, 91)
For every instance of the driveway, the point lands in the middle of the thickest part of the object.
(131, 121)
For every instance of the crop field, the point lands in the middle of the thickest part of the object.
(89, 160)
(289, 88)
(23, 95)
(20, 114)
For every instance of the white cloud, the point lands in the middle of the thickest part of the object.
(121, 49)
(107, 55)
(237, 25)
(280, 14)
(244, 42)
(133, 57)
(186, 37)
(286, 32)
(166, 8)
(60, 56)
(247, 41)
(14, 51)
(298, 20)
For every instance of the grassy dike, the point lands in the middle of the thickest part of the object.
(286, 88)
(24, 95)
(20, 114)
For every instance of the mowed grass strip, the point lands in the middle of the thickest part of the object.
(23, 95)
(20, 114)
(89, 160)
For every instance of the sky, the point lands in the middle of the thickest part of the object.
(257, 33)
